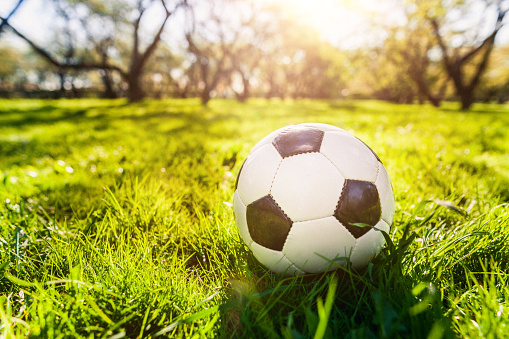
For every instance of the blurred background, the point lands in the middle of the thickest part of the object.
(402, 51)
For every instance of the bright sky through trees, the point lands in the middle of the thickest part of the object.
(343, 23)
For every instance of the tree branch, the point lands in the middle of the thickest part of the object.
(4, 21)
(489, 40)
(481, 67)
(54, 61)
(192, 46)
(135, 52)
(441, 43)
(151, 48)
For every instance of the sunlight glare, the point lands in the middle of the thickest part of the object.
(343, 23)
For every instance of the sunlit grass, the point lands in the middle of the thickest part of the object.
(116, 221)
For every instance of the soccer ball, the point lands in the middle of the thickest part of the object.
(311, 197)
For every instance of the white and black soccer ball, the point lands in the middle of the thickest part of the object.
(301, 192)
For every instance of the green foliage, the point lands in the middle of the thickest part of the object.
(115, 220)
(8, 62)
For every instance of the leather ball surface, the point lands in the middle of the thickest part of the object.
(312, 197)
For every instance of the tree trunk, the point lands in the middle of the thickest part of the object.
(76, 93)
(184, 92)
(135, 92)
(61, 90)
(467, 99)
(109, 92)
(205, 97)
(456, 62)
(435, 101)
(244, 95)
(421, 98)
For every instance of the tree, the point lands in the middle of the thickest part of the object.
(166, 72)
(408, 48)
(430, 85)
(293, 60)
(215, 41)
(116, 15)
(495, 84)
(212, 64)
(228, 41)
(260, 26)
(417, 46)
(139, 58)
(10, 69)
(3, 21)
(386, 77)
(101, 47)
(244, 63)
(464, 51)
(403, 65)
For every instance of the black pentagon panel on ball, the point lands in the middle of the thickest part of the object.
(376, 156)
(298, 140)
(267, 223)
(359, 203)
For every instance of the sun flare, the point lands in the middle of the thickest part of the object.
(341, 22)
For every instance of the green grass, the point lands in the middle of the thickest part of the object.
(115, 221)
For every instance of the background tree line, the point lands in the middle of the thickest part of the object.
(439, 50)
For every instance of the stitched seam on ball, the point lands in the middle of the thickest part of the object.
(356, 240)
(307, 152)
(292, 264)
(379, 199)
(286, 215)
(388, 223)
(293, 155)
(280, 259)
(274, 178)
(281, 209)
(339, 203)
(377, 170)
(337, 208)
(312, 219)
(291, 221)
(300, 269)
(240, 198)
(326, 157)
(286, 239)
(321, 140)
(245, 214)
(352, 252)
(380, 230)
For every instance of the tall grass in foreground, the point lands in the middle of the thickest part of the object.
(115, 221)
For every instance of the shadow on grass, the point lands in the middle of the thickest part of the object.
(42, 110)
(375, 304)
(379, 301)
(49, 114)
(53, 107)
(496, 109)
(59, 143)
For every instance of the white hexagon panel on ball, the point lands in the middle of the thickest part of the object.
(307, 186)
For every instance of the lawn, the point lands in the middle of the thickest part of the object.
(116, 221)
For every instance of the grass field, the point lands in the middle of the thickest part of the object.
(116, 221)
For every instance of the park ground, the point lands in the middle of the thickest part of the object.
(116, 221)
